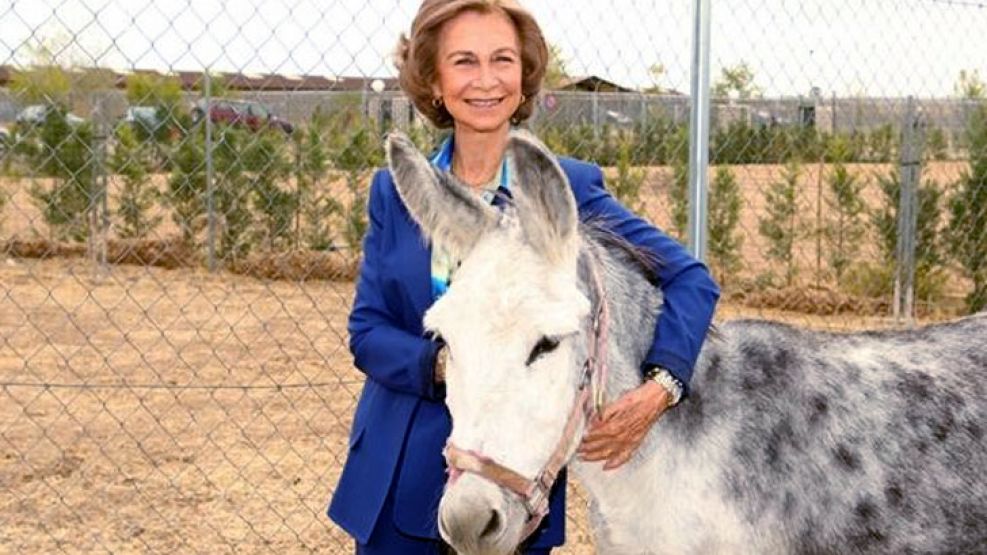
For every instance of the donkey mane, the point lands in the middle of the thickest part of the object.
(638, 259)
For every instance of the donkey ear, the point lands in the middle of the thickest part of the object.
(448, 213)
(545, 201)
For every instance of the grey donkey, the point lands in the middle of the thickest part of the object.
(790, 441)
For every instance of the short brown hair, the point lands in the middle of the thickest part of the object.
(416, 55)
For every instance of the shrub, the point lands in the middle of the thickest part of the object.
(130, 160)
(317, 209)
(724, 217)
(267, 168)
(844, 230)
(65, 154)
(186, 194)
(936, 145)
(780, 224)
(882, 144)
(928, 254)
(232, 191)
(678, 192)
(967, 228)
(627, 185)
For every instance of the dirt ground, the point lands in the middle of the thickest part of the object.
(152, 410)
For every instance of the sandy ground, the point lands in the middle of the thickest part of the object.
(153, 410)
(140, 410)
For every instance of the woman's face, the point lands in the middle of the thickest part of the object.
(479, 71)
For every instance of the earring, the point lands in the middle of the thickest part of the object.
(437, 102)
(523, 98)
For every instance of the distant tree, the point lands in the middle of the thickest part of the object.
(656, 73)
(42, 84)
(970, 86)
(556, 72)
(724, 217)
(780, 223)
(218, 85)
(739, 79)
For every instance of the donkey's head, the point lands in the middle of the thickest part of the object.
(514, 320)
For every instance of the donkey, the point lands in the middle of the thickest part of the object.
(790, 441)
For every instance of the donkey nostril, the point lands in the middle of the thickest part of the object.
(493, 525)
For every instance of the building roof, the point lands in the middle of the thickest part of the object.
(590, 83)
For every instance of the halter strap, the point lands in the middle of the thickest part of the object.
(534, 492)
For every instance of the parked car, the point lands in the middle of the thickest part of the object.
(36, 114)
(150, 120)
(253, 115)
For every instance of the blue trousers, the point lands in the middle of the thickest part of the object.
(386, 539)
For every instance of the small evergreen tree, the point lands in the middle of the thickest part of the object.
(678, 191)
(317, 209)
(724, 217)
(66, 155)
(627, 185)
(266, 162)
(187, 189)
(780, 225)
(844, 230)
(360, 151)
(928, 253)
(130, 160)
(967, 229)
(232, 192)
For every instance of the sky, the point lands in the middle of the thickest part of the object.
(846, 47)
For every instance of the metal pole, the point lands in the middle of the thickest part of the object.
(699, 131)
(909, 174)
(210, 192)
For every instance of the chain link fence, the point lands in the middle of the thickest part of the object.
(182, 199)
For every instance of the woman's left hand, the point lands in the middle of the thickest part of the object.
(618, 432)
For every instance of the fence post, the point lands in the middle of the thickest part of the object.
(699, 131)
(97, 210)
(910, 170)
(210, 192)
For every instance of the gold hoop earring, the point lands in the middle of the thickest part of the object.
(523, 99)
(437, 102)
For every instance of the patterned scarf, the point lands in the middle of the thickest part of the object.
(443, 265)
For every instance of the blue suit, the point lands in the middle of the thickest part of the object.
(401, 422)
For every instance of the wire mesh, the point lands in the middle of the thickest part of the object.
(182, 199)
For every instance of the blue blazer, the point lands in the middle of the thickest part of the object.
(401, 422)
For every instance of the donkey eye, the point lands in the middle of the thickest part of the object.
(544, 346)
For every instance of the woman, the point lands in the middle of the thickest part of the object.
(476, 66)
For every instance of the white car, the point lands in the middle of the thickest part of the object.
(35, 114)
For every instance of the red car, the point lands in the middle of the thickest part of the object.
(253, 115)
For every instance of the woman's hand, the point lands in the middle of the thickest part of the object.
(616, 434)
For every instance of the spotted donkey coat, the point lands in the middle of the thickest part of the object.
(791, 441)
